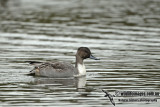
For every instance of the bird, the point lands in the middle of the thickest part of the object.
(63, 69)
(109, 96)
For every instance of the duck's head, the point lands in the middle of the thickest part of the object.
(85, 53)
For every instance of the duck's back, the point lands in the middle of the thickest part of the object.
(57, 69)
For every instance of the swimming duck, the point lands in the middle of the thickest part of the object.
(63, 69)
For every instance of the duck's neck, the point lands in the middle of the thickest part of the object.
(81, 70)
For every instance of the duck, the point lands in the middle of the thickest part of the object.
(63, 69)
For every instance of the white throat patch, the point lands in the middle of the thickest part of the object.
(81, 69)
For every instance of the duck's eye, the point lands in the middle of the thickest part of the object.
(85, 51)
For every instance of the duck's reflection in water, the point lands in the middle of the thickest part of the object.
(80, 83)
(76, 82)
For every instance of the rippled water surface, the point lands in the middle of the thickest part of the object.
(124, 34)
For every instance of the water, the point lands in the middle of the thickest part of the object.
(124, 34)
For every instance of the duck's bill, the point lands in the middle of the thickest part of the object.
(92, 57)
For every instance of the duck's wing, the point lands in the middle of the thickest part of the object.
(57, 69)
(49, 69)
(62, 65)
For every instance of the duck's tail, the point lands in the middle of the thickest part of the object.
(32, 72)
(33, 62)
(36, 64)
